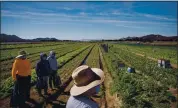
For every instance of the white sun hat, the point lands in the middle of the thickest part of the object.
(21, 53)
(86, 78)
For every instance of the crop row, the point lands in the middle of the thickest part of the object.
(5, 89)
(67, 76)
(146, 88)
(146, 66)
(93, 61)
(10, 54)
(36, 53)
(93, 58)
(5, 70)
(169, 53)
(66, 70)
(19, 46)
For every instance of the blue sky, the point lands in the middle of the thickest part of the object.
(88, 20)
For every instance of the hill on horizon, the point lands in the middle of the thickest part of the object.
(14, 38)
(150, 38)
(146, 38)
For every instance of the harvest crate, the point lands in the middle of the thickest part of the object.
(164, 63)
(160, 63)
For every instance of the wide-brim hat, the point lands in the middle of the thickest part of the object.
(82, 75)
(21, 53)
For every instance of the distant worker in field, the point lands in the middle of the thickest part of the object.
(42, 71)
(86, 84)
(21, 74)
(53, 78)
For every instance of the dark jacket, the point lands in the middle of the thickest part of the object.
(42, 67)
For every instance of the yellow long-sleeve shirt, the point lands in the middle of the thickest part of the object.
(21, 67)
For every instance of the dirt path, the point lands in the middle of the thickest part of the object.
(112, 101)
(174, 92)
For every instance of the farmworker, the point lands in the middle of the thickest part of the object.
(53, 78)
(86, 84)
(42, 71)
(21, 74)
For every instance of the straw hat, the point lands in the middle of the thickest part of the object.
(86, 78)
(21, 53)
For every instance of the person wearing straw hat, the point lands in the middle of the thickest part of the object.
(86, 84)
(21, 75)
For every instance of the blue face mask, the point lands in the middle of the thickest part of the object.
(97, 88)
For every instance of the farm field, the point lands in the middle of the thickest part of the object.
(147, 87)
(156, 52)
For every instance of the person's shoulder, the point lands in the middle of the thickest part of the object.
(27, 60)
(86, 102)
(16, 60)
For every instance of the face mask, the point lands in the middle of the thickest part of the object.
(97, 88)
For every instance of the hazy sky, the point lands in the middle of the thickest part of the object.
(88, 20)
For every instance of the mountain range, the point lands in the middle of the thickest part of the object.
(14, 38)
(147, 38)
(151, 38)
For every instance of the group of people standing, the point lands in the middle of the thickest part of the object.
(87, 81)
(46, 70)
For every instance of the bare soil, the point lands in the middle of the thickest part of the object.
(112, 101)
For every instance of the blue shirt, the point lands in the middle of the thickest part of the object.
(53, 63)
(81, 102)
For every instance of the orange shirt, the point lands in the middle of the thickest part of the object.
(21, 67)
